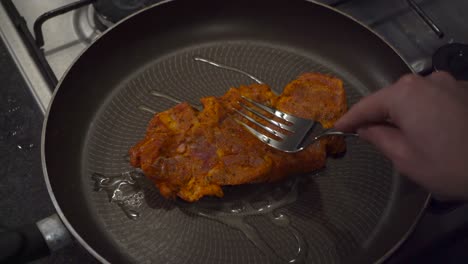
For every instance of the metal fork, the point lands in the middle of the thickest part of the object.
(300, 133)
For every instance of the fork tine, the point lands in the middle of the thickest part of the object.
(272, 111)
(264, 138)
(270, 130)
(255, 112)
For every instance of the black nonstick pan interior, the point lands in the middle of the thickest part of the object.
(358, 209)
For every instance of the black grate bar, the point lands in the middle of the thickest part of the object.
(53, 13)
(430, 23)
(36, 53)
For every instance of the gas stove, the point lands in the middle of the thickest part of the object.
(45, 37)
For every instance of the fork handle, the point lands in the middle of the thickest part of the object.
(334, 132)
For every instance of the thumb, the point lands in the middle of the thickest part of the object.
(389, 140)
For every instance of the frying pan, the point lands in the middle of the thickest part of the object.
(357, 210)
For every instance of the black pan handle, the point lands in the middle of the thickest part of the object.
(443, 205)
(452, 58)
(33, 241)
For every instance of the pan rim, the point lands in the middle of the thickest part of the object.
(77, 236)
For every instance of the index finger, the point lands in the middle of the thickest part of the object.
(374, 108)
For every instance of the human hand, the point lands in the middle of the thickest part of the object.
(421, 125)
